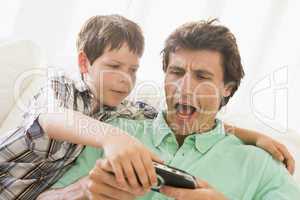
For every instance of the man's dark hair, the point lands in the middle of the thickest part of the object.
(205, 35)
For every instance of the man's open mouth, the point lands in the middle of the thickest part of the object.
(184, 111)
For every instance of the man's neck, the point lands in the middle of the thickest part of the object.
(180, 133)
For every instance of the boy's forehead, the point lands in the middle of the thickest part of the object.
(121, 55)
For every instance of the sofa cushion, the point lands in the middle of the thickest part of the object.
(18, 59)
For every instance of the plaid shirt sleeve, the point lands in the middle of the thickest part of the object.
(29, 160)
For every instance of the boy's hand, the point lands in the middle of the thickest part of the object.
(202, 192)
(277, 150)
(130, 160)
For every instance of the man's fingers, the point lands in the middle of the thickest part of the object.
(202, 184)
(108, 191)
(99, 175)
(100, 197)
(177, 193)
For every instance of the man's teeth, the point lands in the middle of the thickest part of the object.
(185, 109)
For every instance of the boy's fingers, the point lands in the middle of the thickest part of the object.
(104, 164)
(274, 152)
(290, 166)
(156, 158)
(289, 160)
(140, 170)
(118, 172)
(278, 155)
(148, 164)
(130, 174)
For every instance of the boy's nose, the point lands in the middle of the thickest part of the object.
(125, 81)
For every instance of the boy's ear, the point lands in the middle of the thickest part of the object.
(83, 62)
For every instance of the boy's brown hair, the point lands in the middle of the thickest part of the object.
(205, 35)
(109, 31)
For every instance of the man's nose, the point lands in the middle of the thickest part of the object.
(185, 86)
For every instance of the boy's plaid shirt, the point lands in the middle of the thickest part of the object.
(30, 162)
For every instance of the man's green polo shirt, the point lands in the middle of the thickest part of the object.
(239, 171)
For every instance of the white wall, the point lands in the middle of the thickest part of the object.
(267, 32)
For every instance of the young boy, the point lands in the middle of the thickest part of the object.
(65, 115)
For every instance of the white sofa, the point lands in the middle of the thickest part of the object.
(22, 72)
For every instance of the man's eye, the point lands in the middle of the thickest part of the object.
(114, 66)
(202, 77)
(177, 73)
(133, 70)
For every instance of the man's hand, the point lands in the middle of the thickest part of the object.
(203, 192)
(76, 191)
(103, 184)
(126, 156)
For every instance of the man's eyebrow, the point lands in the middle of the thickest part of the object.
(205, 72)
(176, 67)
(135, 66)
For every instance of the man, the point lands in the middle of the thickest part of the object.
(38, 152)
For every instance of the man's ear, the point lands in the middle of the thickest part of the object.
(83, 62)
(228, 89)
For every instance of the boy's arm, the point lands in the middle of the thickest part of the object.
(276, 149)
(29, 160)
(125, 153)
(75, 127)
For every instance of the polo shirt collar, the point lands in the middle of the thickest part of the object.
(206, 140)
(203, 141)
